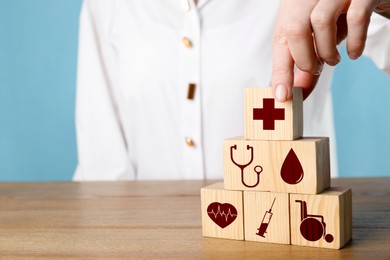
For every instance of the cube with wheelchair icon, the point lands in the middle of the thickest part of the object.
(284, 179)
(322, 220)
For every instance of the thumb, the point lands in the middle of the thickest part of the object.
(306, 81)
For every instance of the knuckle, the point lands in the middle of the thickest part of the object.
(297, 29)
(358, 16)
(280, 71)
(357, 41)
(329, 56)
(279, 38)
(320, 18)
(309, 66)
(329, 60)
(355, 46)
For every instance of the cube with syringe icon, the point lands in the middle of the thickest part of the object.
(268, 166)
(265, 221)
(266, 212)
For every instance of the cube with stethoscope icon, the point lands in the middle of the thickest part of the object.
(299, 166)
(282, 180)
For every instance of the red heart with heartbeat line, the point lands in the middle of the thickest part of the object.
(222, 214)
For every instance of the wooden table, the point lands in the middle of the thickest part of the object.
(149, 220)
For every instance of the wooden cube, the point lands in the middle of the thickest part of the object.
(267, 217)
(268, 119)
(222, 212)
(323, 220)
(300, 166)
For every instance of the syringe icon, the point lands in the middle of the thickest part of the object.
(265, 222)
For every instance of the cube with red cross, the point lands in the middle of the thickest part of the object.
(268, 119)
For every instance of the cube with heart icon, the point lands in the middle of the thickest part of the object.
(276, 182)
(222, 212)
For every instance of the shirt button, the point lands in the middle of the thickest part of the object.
(187, 42)
(189, 142)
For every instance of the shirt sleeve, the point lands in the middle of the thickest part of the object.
(378, 42)
(101, 145)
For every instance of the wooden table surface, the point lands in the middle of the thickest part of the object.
(160, 219)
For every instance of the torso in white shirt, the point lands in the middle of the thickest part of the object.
(148, 69)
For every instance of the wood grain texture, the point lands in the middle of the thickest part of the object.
(334, 206)
(263, 224)
(312, 153)
(160, 220)
(290, 128)
(216, 194)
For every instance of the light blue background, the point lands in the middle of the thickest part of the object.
(38, 50)
(361, 95)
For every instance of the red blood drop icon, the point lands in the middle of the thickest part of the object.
(292, 171)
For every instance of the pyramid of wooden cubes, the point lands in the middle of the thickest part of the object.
(276, 185)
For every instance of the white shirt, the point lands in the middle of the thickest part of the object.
(132, 113)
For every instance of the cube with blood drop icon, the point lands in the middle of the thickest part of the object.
(299, 166)
(276, 182)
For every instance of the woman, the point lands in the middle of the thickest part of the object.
(160, 83)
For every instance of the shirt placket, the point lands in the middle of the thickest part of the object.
(190, 94)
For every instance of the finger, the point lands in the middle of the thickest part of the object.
(358, 19)
(282, 62)
(324, 21)
(306, 81)
(342, 29)
(299, 37)
(282, 68)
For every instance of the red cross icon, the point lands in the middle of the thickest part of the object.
(268, 114)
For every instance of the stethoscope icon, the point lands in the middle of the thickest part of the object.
(258, 169)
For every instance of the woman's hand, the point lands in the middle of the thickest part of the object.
(307, 33)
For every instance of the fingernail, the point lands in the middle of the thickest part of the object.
(335, 61)
(353, 55)
(320, 67)
(338, 57)
(281, 93)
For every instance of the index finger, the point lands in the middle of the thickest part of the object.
(282, 67)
